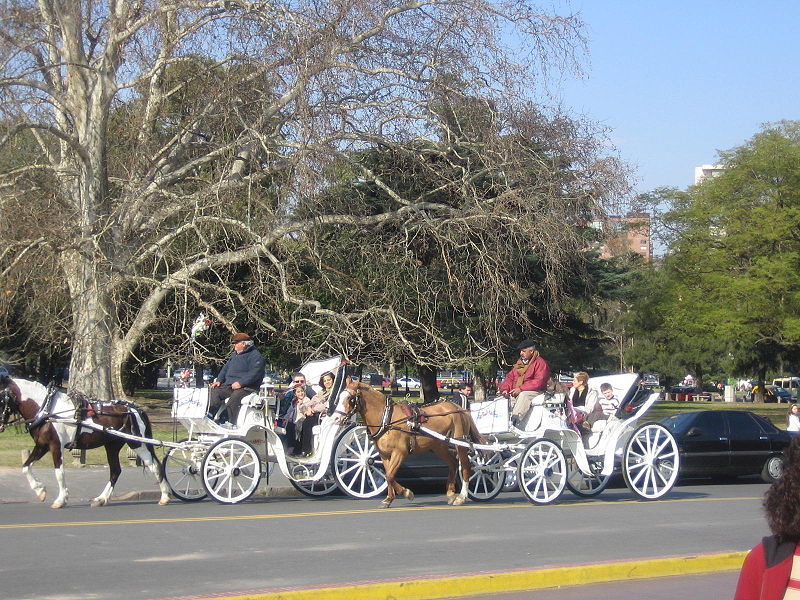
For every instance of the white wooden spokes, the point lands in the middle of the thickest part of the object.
(650, 461)
(542, 472)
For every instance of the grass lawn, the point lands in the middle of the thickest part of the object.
(158, 402)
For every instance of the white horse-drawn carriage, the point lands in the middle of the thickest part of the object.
(545, 454)
(227, 461)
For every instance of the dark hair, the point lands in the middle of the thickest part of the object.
(606, 386)
(780, 501)
(323, 376)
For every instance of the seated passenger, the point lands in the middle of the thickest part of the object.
(526, 380)
(309, 411)
(606, 405)
(582, 397)
(287, 410)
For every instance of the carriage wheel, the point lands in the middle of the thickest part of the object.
(587, 486)
(231, 471)
(357, 466)
(542, 472)
(487, 476)
(650, 461)
(301, 482)
(182, 474)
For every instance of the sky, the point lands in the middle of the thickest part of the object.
(676, 81)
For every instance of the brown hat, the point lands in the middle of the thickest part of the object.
(240, 337)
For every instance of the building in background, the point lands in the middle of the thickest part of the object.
(706, 171)
(630, 233)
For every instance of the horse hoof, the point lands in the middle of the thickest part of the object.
(386, 504)
(163, 502)
(57, 505)
(42, 495)
(409, 495)
(98, 502)
(458, 501)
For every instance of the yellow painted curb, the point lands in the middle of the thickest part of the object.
(511, 581)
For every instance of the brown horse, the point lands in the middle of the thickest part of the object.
(32, 403)
(391, 427)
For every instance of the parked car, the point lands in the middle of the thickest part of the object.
(566, 379)
(449, 382)
(408, 382)
(780, 394)
(650, 380)
(727, 443)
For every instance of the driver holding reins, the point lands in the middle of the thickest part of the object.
(527, 379)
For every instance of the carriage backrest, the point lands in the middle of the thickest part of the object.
(624, 385)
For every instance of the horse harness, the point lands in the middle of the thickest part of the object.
(413, 415)
(11, 401)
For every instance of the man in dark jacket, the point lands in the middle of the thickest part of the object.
(240, 376)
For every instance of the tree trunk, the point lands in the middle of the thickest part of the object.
(428, 390)
(92, 317)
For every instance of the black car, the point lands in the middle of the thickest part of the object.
(725, 443)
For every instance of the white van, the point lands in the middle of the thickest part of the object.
(788, 383)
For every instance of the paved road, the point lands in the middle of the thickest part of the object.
(140, 551)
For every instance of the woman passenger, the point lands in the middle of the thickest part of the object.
(309, 411)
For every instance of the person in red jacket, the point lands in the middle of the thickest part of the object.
(526, 379)
(766, 572)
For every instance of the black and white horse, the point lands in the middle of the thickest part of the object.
(33, 403)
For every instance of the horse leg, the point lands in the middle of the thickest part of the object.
(57, 451)
(112, 454)
(464, 465)
(390, 466)
(148, 457)
(27, 470)
(442, 452)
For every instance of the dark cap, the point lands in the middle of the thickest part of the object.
(240, 337)
(526, 344)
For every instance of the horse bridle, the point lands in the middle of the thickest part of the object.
(9, 406)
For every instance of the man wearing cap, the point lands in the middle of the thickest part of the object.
(527, 379)
(240, 376)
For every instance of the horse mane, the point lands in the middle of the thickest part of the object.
(31, 389)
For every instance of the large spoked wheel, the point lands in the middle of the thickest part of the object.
(357, 465)
(301, 482)
(587, 486)
(486, 477)
(182, 474)
(542, 472)
(231, 471)
(650, 461)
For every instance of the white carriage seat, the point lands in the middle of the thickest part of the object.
(249, 412)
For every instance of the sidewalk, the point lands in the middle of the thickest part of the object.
(84, 483)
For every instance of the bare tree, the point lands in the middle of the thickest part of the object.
(175, 141)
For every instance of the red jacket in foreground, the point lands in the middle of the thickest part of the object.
(765, 572)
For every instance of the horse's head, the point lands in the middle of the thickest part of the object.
(351, 395)
(10, 398)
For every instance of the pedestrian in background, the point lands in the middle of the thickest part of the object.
(793, 419)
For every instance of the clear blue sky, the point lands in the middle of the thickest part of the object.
(676, 81)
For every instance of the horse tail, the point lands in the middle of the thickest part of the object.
(146, 430)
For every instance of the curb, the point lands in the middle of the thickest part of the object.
(270, 492)
(509, 581)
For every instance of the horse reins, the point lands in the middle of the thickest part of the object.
(387, 424)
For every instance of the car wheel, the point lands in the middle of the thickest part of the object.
(772, 469)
